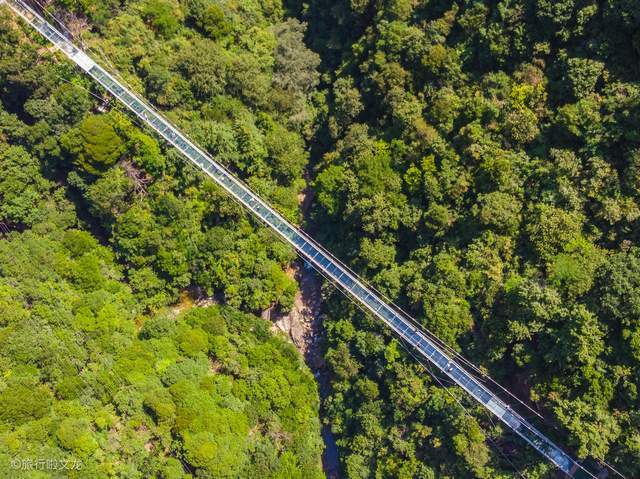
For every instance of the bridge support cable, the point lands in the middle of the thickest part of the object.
(399, 322)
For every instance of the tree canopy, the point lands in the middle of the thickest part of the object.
(107, 238)
(477, 161)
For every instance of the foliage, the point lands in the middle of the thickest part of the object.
(79, 383)
(94, 144)
(478, 163)
(248, 101)
(94, 367)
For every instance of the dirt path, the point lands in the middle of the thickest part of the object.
(303, 326)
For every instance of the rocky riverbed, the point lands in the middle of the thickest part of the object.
(303, 326)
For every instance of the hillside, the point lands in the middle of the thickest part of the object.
(102, 228)
(477, 161)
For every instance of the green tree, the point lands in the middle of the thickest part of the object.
(22, 187)
(210, 18)
(550, 228)
(164, 16)
(94, 145)
(295, 66)
(501, 211)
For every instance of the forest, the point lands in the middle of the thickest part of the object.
(477, 161)
(105, 361)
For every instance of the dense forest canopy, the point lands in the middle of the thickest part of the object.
(103, 227)
(243, 91)
(478, 161)
(89, 379)
(480, 165)
(210, 392)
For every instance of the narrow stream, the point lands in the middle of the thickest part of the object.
(304, 327)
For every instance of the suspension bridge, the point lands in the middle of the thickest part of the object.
(423, 344)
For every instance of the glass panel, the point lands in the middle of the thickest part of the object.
(464, 381)
(348, 282)
(297, 239)
(288, 232)
(314, 254)
(386, 313)
(358, 291)
(333, 269)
